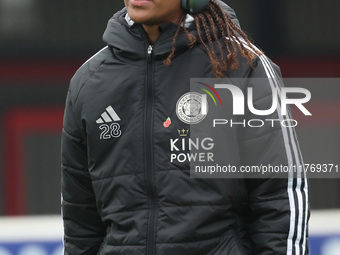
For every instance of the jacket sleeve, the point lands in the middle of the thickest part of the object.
(278, 204)
(230, 12)
(83, 228)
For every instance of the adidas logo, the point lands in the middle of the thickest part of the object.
(108, 116)
(108, 126)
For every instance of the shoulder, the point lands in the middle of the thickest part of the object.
(261, 67)
(87, 70)
(266, 68)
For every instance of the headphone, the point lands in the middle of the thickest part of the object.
(194, 6)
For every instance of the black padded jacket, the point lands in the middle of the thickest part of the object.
(126, 186)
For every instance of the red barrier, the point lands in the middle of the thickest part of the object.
(18, 124)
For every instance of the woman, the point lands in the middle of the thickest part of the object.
(126, 182)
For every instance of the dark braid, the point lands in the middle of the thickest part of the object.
(233, 38)
(167, 62)
(221, 24)
(212, 54)
(212, 24)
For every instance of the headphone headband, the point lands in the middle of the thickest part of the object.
(194, 6)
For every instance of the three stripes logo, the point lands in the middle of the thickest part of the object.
(109, 128)
(108, 116)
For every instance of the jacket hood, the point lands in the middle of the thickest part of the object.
(119, 31)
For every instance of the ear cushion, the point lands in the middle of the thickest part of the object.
(194, 6)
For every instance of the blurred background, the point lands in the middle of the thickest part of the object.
(42, 43)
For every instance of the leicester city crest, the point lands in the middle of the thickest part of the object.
(192, 108)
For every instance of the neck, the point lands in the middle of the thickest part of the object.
(152, 31)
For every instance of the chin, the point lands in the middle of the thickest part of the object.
(138, 16)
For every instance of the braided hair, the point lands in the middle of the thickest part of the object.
(211, 23)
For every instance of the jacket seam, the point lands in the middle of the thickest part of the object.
(74, 168)
(79, 204)
(266, 201)
(124, 211)
(90, 77)
(117, 176)
(148, 208)
(72, 136)
(123, 245)
(84, 237)
(260, 136)
(199, 205)
(226, 233)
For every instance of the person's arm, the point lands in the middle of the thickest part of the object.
(83, 228)
(279, 209)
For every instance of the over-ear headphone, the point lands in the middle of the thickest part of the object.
(194, 6)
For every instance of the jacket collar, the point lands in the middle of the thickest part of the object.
(129, 40)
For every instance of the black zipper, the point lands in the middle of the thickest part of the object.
(148, 130)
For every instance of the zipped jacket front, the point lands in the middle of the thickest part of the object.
(126, 182)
